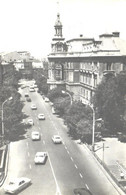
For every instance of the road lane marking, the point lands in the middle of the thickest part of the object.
(80, 175)
(30, 166)
(68, 152)
(71, 158)
(57, 187)
(65, 147)
(27, 144)
(76, 166)
(43, 142)
(28, 154)
(87, 186)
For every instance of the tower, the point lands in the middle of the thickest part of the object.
(58, 30)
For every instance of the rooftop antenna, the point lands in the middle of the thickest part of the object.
(58, 6)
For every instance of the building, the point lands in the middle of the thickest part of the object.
(81, 63)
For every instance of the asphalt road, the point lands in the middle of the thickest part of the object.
(68, 166)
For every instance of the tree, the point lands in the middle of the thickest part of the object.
(13, 114)
(79, 119)
(41, 81)
(109, 100)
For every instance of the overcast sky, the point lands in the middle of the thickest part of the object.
(29, 24)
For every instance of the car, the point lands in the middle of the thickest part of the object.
(56, 139)
(17, 184)
(35, 135)
(35, 86)
(30, 122)
(46, 99)
(33, 107)
(82, 191)
(26, 95)
(40, 157)
(41, 117)
(28, 99)
(31, 89)
(23, 86)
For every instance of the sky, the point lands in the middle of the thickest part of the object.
(28, 25)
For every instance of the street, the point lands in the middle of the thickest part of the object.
(68, 166)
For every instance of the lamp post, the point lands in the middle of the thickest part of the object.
(71, 100)
(3, 133)
(93, 126)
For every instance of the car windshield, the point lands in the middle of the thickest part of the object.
(57, 137)
(35, 134)
(11, 183)
(39, 155)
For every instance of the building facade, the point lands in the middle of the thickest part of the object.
(81, 63)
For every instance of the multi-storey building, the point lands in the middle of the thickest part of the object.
(81, 63)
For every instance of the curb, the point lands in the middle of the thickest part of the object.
(120, 191)
(6, 167)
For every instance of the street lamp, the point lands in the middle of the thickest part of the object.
(3, 133)
(71, 100)
(93, 126)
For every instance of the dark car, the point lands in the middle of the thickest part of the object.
(28, 99)
(82, 191)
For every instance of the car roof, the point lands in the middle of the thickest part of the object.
(56, 136)
(35, 132)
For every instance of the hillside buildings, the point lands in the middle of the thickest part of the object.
(79, 64)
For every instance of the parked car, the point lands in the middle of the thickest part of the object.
(46, 99)
(33, 107)
(41, 117)
(23, 86)
(35, 135)
(40, 157)
(30, 122)
(56, 139)
(17, 185)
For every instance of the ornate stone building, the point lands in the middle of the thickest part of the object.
(81, 63)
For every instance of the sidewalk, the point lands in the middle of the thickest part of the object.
(112, 155)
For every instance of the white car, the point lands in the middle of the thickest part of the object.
(17, 185)
(33, 107)
(23, 86)
(57, 139)
(30, 122)
(35, 86)
(26, 95)
(40, 157)
(31, 89)
(46, 99)
(35, 135)
(41, 117)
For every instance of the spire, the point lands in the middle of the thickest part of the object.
(58, 27)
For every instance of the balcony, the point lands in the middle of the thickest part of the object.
(109, 73)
